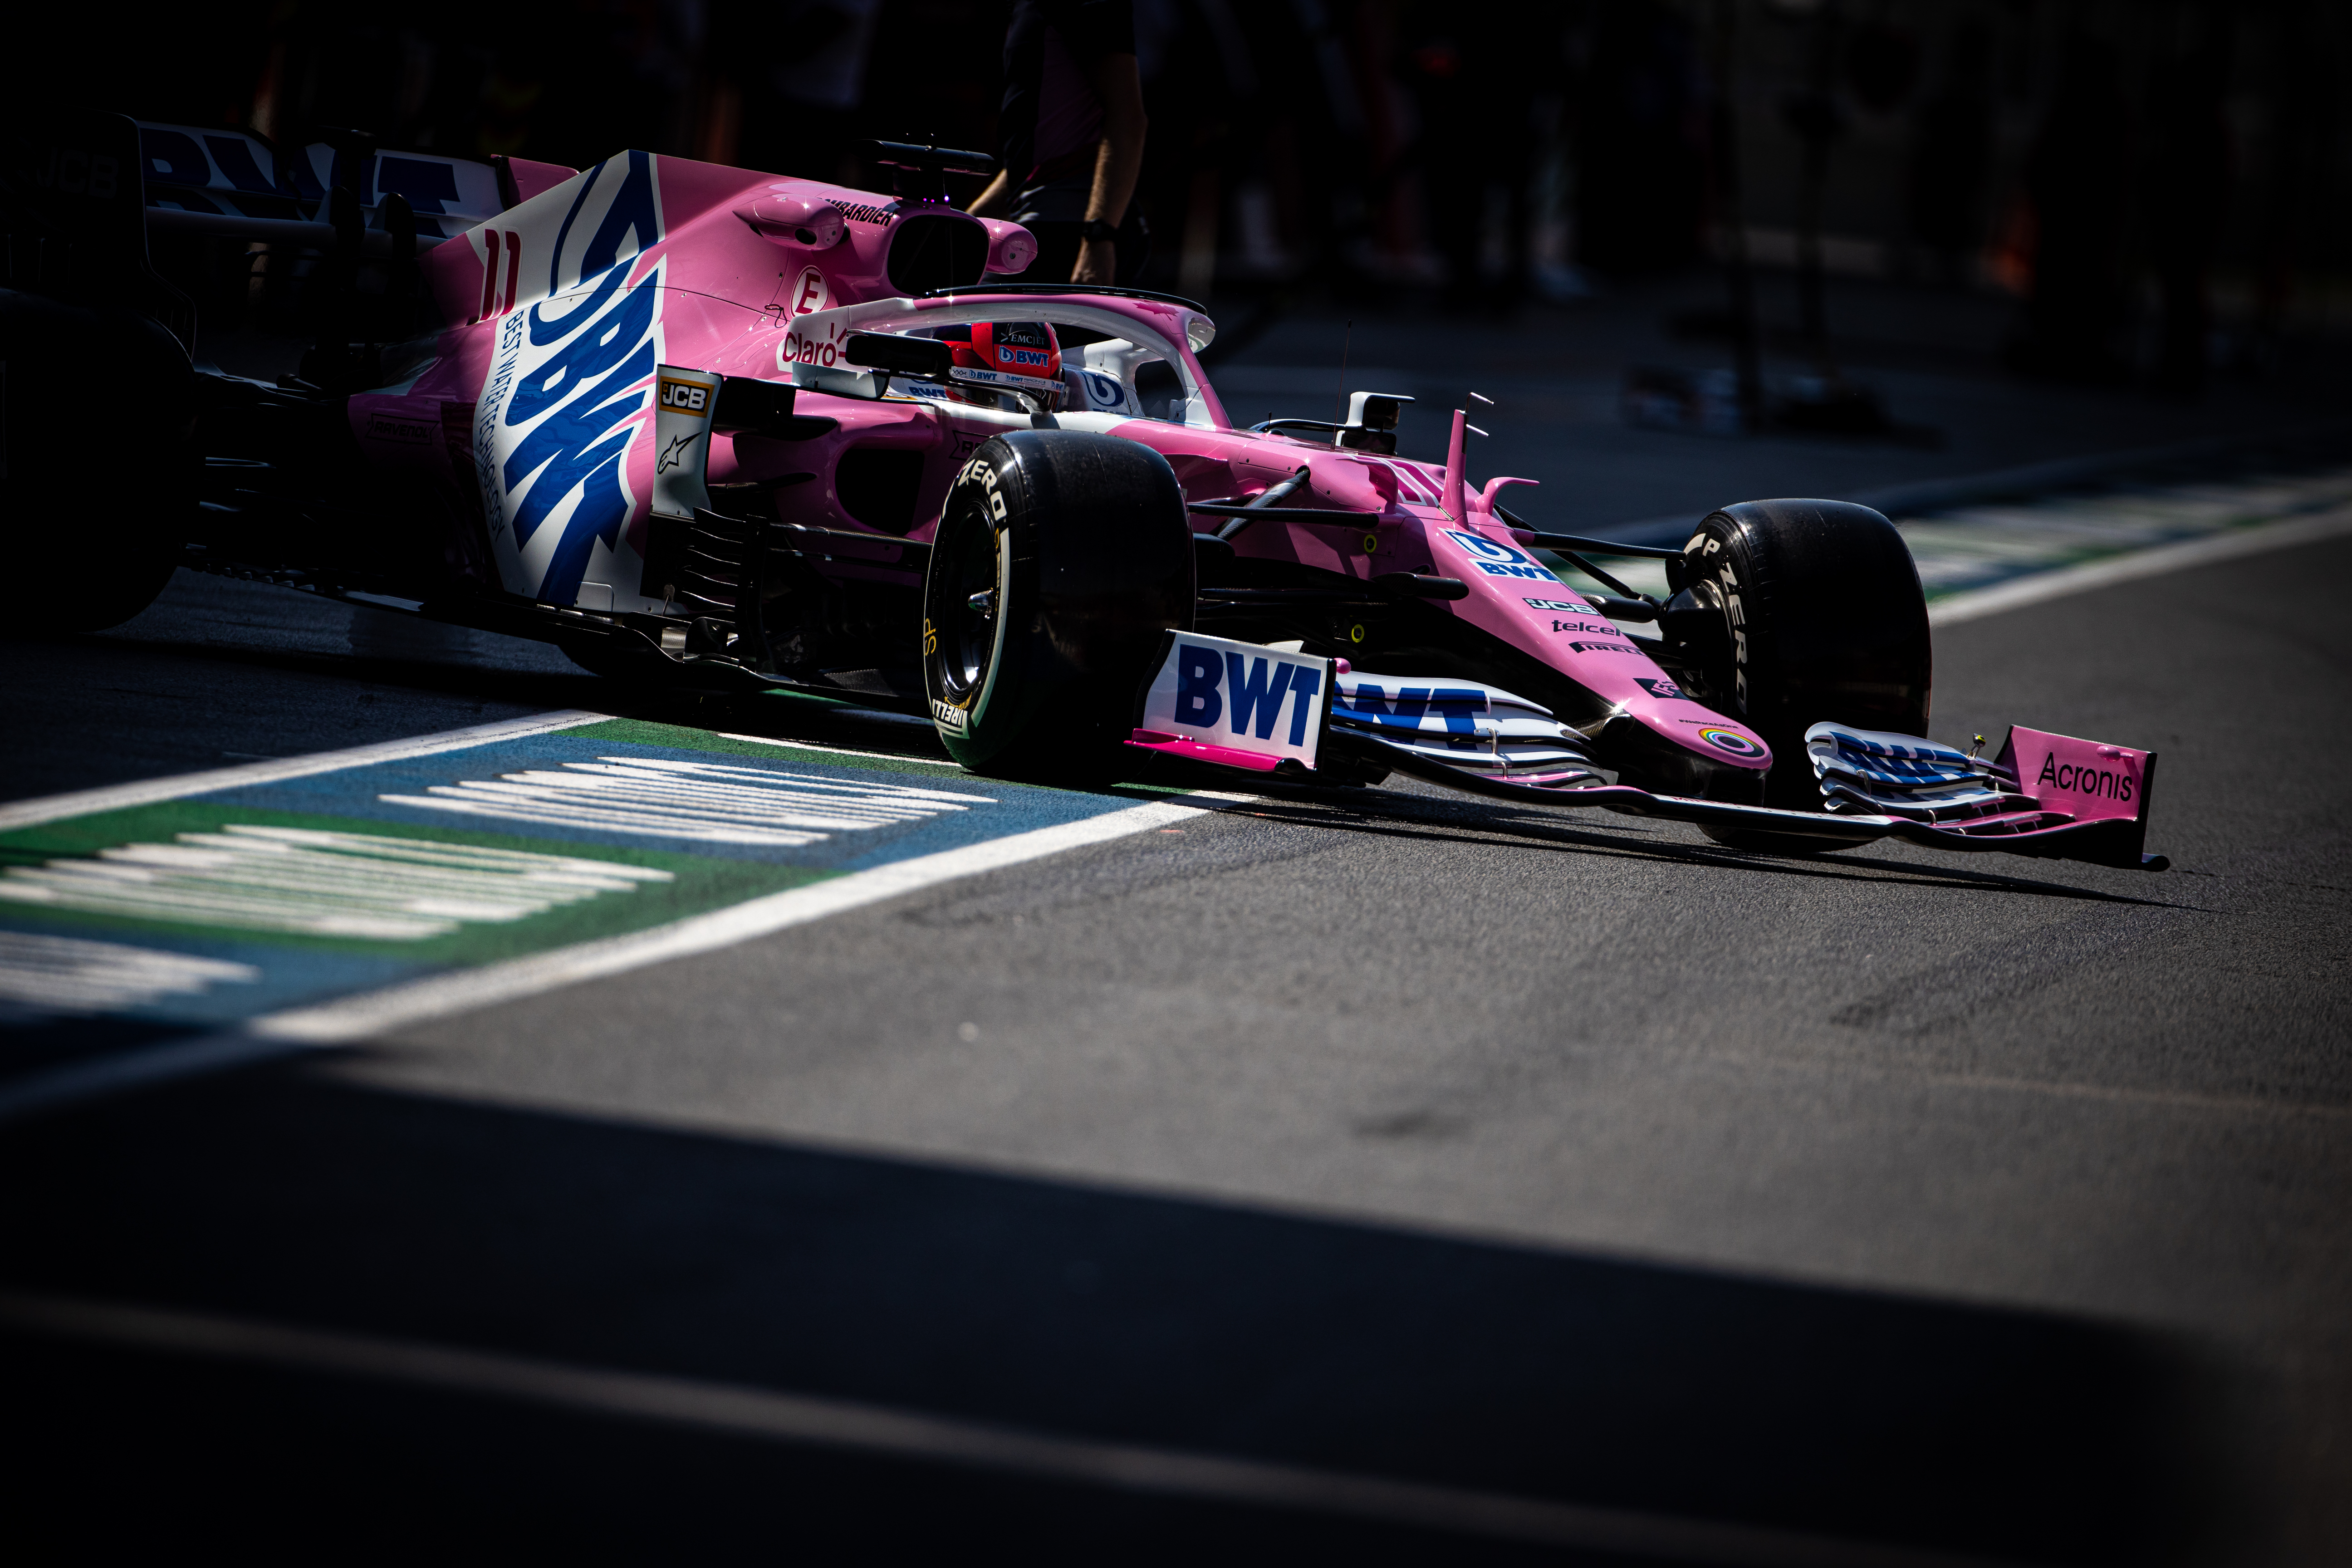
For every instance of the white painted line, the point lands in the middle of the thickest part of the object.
(314, 883)
(744, 1411)
(148, 792)
(710, 803)
(2042, 587)
(837, 750)
(71, 976)
(355, 1018)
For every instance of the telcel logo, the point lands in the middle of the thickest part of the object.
(685, 397)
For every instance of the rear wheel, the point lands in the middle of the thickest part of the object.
(1795, 611)
(95, 515)
(1061, 559)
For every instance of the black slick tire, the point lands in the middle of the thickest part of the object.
(96, 514)
(1801, 611)
(1062, 559)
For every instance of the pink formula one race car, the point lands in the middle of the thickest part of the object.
(701, 424)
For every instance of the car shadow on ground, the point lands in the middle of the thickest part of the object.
(1441, 819)
(287, 1196)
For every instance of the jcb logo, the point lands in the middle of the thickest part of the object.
(685, 397)
(77, 172)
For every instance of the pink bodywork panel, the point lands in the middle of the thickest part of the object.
(732, 285)
(2090, 779)
(1199, 752)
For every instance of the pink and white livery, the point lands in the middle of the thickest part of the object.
(701, 424)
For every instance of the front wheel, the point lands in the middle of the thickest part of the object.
(1798, 612)
(1062, 558)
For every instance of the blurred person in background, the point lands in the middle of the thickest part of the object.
(1070, 141)
(2185, 193)
(1641, 128)
(804, 88)
(1951, 153)
(2078, 178)
(1475, 71)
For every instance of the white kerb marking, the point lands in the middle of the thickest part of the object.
(148, 792)
(68, 974)
(313, 883)
(2210, 550)
(710, 802)
(356, 1017)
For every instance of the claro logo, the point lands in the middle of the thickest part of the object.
(2105, 783)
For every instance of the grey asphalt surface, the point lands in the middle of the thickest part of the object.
(1556, 378)
(1986, 1205)
(1991, 1204)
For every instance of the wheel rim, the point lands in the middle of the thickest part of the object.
(963, 616)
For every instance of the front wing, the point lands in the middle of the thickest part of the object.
(2046, 796)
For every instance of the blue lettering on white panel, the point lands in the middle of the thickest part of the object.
(566, 395)
(1254, 691)
(578, 403)
(357, 174)
(633, 213)
(233, 155)
(1372, 703)
(173, 158)
(1198, 671)
(1454, 707)
(1303, 684)
(429, 187)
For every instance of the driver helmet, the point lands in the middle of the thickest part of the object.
(1013, 348)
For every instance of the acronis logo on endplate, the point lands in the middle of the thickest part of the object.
(568, 387)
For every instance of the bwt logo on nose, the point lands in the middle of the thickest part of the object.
(686, 397)
(1497, 560)
(1242, 695)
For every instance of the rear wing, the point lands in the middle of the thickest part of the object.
(233, 182)
(82, 195)
(73, 222)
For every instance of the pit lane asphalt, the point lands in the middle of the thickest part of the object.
(1981, 1203)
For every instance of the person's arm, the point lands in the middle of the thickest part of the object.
(994, 200)
(1117, 163)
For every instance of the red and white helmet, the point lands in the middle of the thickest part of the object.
(1011, 348)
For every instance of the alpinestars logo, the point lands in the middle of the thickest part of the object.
(570, 389)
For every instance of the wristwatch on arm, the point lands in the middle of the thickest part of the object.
(1098, 231)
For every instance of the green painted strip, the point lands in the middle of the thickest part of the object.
(701, 883)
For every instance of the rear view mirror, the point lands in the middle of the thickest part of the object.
(1376, 410)
(901, 356)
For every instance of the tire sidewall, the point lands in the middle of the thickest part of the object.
(978, 722)
(1091, 562)
(1826, 621)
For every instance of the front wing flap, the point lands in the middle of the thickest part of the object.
(1261, 710)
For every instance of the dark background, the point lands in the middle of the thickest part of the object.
(1996, 1207)
(2159, 186)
